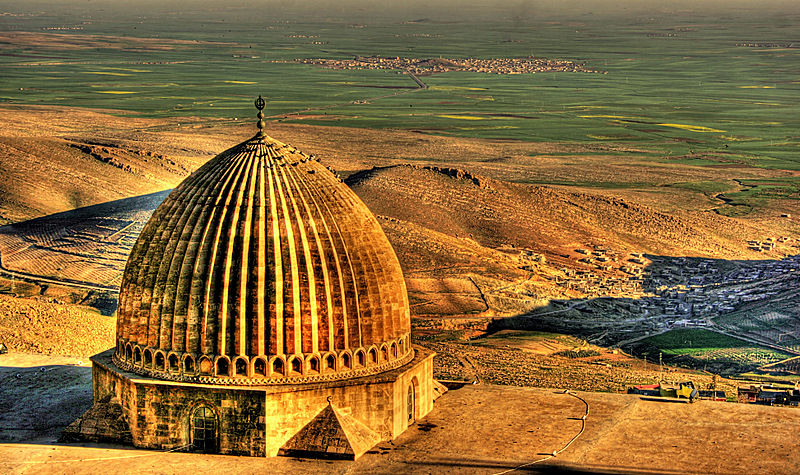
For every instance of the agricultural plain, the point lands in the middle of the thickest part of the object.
(695, 87)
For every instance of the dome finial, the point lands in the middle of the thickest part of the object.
(260, 104)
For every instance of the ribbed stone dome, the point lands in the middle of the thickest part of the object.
(262, 267)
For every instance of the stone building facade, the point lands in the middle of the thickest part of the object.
(262, 311)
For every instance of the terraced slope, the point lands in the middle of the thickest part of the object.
(87, 246)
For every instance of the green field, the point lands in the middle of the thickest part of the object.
(704, 349)
(689, 341)
(695, 97)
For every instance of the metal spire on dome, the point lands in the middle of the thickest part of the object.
(260, 104)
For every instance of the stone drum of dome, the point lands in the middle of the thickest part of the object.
(262, 268)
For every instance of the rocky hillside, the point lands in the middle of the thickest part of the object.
(34, 326)
(546, 219)
(77, 174)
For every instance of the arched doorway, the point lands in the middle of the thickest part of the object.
(204, 430)
(410, 403)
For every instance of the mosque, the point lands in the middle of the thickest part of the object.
(262, 311)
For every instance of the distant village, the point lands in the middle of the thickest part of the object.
(680, 286)
(650, 294)
(767, 45)
(442, 65)
(630, 296)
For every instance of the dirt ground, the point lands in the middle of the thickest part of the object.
(477, 429)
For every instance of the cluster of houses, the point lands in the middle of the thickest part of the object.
(770, 395)
(662, 293)
(685, 390)
(680, 291)
(767, 45)
(600, 278)
(764, 394)
(440, 65)
(702, 288)
(768, 245)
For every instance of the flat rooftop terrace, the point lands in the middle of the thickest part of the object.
(477, 429)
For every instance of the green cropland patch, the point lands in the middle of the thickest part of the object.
(708, 188)
(704, 349)
(692, 341)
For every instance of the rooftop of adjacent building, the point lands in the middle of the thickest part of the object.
(477, 429)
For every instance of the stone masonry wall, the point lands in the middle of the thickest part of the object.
(259, 421)
(380, 405)
(421, 376)
(159, 415)
(164, 413)
(289, 412)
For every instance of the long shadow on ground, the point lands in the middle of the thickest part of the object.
(37, 403)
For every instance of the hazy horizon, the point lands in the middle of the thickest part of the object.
(417, 9)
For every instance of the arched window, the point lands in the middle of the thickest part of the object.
(205, 365)
(277, 366)
(360, 358)
(313, 365)
(241, 367)
(346, 361)
(188, 365)
(148, 358)
(173, 363)
(373, 356)
(128, 353)
(385, 354)
(204, 430)
(222, 367)
(260, 367)
(297, 365)
(137, 356)
(160, 361)
(410, 403)
(330, 363)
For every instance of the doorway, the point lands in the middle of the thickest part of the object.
(204, 430)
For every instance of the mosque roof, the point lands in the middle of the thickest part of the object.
(262, 267)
